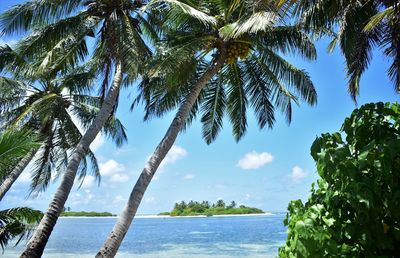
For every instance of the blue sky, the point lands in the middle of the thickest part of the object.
(266, 169)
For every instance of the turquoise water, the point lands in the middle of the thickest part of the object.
(219, 237)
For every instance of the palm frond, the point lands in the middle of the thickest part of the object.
(295, 79)
(378, 18)
(13, 62)
(44, 165)
(236, 100)
(12, 93)
(17, 223)
(257, 22)
(392, 50)
(58, 44)
(288, 40)
(213, 108)
(15, 145)
(179, 12)
(31, 14)
(259, 87)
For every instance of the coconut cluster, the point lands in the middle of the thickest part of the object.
(237, 50)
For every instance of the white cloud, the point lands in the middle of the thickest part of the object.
(175, 153)
(88, 182)
(118, 199)
(150, 199)
(111, 167)
(297, 174)
(119, 178)
(188, 177)
(247, 196)
(254, 160)
(79, 199)
(87, 199)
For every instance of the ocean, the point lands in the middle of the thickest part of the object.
(204, 237)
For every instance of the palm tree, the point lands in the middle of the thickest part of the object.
(358, 27)
(17, 222)
(49, 104)
(218, 57)
(60, 32)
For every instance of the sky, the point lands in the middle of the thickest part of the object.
(266, 169)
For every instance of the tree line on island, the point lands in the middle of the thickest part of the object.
(193, 208)
(67, 212)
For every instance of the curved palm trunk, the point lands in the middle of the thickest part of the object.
(15, 173)
(39, 240)
(111, 245)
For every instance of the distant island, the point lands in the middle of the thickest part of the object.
(86, 214)
(194, 208)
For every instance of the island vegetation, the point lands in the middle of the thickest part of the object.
(194, 208)
(68, 213)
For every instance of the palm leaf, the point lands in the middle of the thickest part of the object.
(29, 15)
(180, 11)
(17, 223)
(257, 22)
(378, 18)
(213, 108)
(236, 100)
(14, 146)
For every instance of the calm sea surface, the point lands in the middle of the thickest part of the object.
(217, 237)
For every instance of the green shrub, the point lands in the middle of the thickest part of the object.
(355, 209)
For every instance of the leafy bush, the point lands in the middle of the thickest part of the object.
(355, 209)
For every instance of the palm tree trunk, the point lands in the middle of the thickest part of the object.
(15, 173)
(39, 240)
(111, 245)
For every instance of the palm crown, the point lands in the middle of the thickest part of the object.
(62, 31)
(51, 106)
(357, 27)
(253, 35)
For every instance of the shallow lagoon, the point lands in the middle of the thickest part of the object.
(217, 237)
